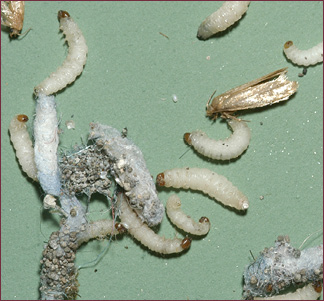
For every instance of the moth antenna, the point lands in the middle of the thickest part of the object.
(210, 98)
(308, 237)
(21, 35)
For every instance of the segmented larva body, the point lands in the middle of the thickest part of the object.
(207, 181)
(145, 235)
(130, 172)
(229, 148)
(307, 57)
(46, 143)
(183, 221)
(74, 62)
(23, 145)
(224, 17)
(308, 292)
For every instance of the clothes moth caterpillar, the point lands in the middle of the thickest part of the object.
(229, 148)
(207, 181)
(145, 235)
(183, 221)
(130, 172)
(46, 143)
(224, 17)
(23, 145)
(74, 62)
(308, 292)
(258, 93)
(12, 16)
(307, 57)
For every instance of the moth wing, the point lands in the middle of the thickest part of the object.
(5, 14)
(258, 80)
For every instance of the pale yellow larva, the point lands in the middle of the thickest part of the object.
(74, 62)
(224, 17)
(307, 57)
(145, 235)
(227, 149)
(23, 145)
(207, 181)
(183, 221)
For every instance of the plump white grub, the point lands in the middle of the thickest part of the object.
(130, 172)
(280, 267)
(307, 57)
(146, 236)
(74, 62)
(46, 143)
(183, 221)
(224, 17)
(308, 292)
(207, 181)
(23, 145)
(227, 149)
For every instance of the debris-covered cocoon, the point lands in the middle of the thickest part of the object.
(145, 235)
(266, 90)
(130, 172)
(281, 266)
(23, 145)
(74, 62)
(307, 57)
(224, 17)
(12, 16)
(46, 143)
(229, 148)
(308, 292)
(183, 221)
(207, 181)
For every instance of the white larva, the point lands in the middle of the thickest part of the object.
(23, 145)
(307, 292)
(74, 62)
(224, 17)
(46, 143)
(307, 57)
(227, 149)
(145, 235)
(12, 16)
(183, 221)
(207, 181)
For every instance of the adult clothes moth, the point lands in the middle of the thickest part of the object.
(12, 16)
(266, 90)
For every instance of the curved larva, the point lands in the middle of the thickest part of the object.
(305, 293)
(145, 235)
(23, 145)
(224, 17)
(229, 148)
(183, 221)
(207, 181)
(46, 143)
(307, 57)
(74, 62)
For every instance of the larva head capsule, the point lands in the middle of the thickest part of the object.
(120, 228)
(317, 286)
(186, 138)
(186, 242)
(62, 14)
(160, 179)
(204, 219)
(288, 44)
(22, 118)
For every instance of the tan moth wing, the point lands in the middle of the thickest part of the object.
(257, 93)
(12, 16)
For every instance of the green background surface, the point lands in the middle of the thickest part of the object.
(128, 81)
